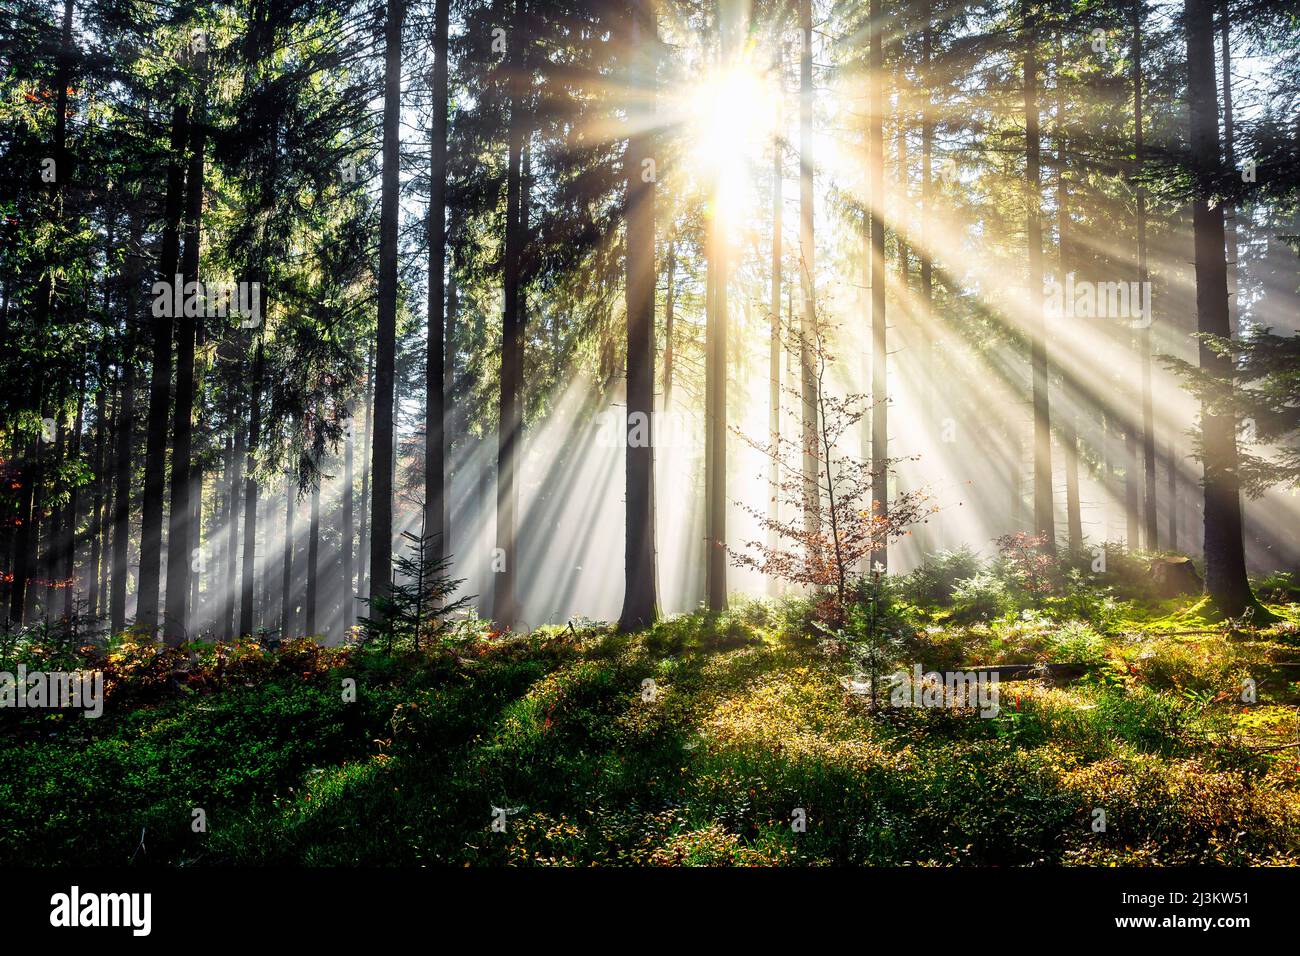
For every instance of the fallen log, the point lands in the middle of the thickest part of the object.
(1014, 672)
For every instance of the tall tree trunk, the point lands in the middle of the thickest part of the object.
(146, 614)
(879, 329)
(669, 331)
(715, 390)
(248, 572)
(182, 536)
(1044, 517)
(313, 560)
(220, 537)
(902, 176)
(451, 413)
(363, 540)
(505, 608)
(26, 534)
(1069, 421)
(381, 545)
(347, 531)
(435, 504)
(194, 615)
(927, 191)
(101, 570)
(95, 530)
(68, 544)
(50, 554)
(233, 494)
(1148, 409)
(286, 570)
(640, 601)
(124, 430)
(122, 501)
(1225, 560)
(1230, 160)
(774, 331)
(807, 262)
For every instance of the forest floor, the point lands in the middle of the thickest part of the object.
(707, 740)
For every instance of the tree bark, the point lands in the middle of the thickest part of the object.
(774, 331)
(313, 561)
(286, 570)
(1230, 160)
(1225, 561)
(233, 494)
(505, 608)
(147, 591)
(879, 328)
(122, 501)
(363, 541)
(68, 544)
(1069, 421)
(381, 544)
(180, 539)
(95, 529)
(1044, 517)
(435, 504)
(715, 393)
(640, 600)
(248, 573)
(1148, 409)
(347, 530)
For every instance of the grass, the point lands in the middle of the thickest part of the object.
(706, 740)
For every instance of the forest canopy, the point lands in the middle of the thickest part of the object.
(741, 297)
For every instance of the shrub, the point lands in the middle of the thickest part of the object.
(1026, 564)
(981, 598)
(1280, 587)
(1077, 643)
(934, 581)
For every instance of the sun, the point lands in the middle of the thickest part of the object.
(732, 115)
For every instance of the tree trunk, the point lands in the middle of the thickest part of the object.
(669, 296)
(927, 190)
(715, 393)
(233, 494)
(774, 333)
(505, 608)
(248, 572)
(181, 535)
(122, 502)
(67, 553)
(879, 329)
(1148, 410)
(451, 414)
(363, 540)
(435, 504)
(1044, 518)
(347, 530)
(640, 602)
(286, 570)
(1225, 561)
(807, 263)
(146, 614)
(313, 560)
(381, 545)
(95, 528)
(1069, 421)
(1230, 160)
